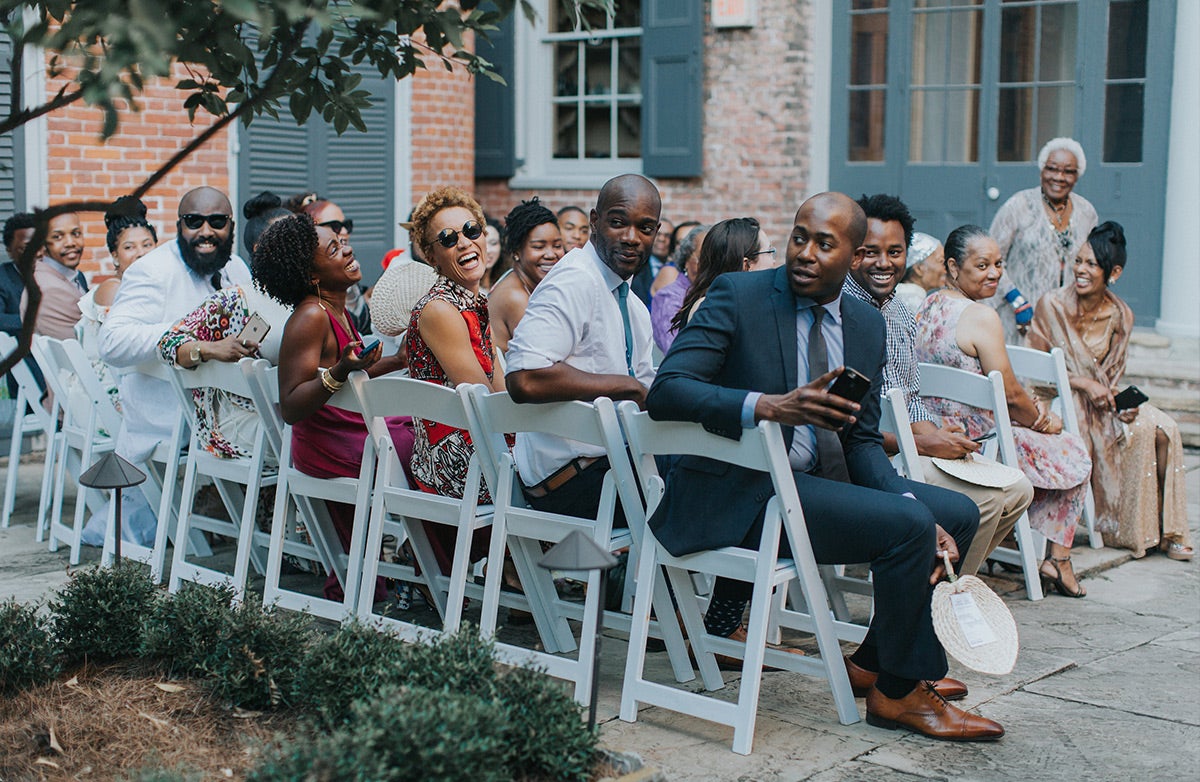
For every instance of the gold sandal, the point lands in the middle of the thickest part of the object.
(1056, 580)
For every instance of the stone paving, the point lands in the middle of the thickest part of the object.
(1105, 688)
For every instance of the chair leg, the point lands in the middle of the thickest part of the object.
(183, 530)
(639, 631)
(14, 461)
(752, 661)
(693, 622)
(365, 605)
(60, 480)
(47, 493)
(1030, 551)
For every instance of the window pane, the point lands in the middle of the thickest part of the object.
(1127, 39)
(629, 130)
(946, 48)
(566, 132)
(629, 66)
(597, 131)
(867, 114)
(945, 3)
(629, 14)
(962, 126)
(566, 69)
(1123, 115)
(1055, 113)
(598, 67)
(926, 118)
(1058, 43)
(561, 21)
(1018, 28)
(595, 19)
(859, 5)
(1013, 125)
(868, 49)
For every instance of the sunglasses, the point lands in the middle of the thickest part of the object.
(448, 237)
(194, 221)
(337, 225)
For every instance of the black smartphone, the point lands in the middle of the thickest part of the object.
(1130, 398)
(365, 349)
(851, 384)
(984, 437)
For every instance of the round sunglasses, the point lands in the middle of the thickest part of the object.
(448, 237)
(337, 225)
(194, 221)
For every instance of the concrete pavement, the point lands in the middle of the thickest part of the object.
(1105, 688)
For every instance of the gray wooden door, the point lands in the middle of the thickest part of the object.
(947, 102)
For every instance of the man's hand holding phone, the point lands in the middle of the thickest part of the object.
(812, 403)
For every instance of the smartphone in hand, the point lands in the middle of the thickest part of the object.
(255, 330)
(365, 349)
(1130, 398)
(851, 384)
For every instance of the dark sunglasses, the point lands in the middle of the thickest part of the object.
(448, 237)
(193, 221)
(337, 225)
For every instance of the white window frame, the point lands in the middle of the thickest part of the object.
(537, 168)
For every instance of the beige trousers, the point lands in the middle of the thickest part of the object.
(999, 510)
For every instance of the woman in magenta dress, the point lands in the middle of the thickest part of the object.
(954, 330)
(309, 267)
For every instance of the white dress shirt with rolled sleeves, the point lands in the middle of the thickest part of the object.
(573, 317)
(155, 292)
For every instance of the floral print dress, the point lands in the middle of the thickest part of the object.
(1057, 465)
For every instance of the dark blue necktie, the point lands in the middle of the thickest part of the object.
(623, 303)
(831, 459)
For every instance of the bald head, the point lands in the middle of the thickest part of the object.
(835, 203)
(205, 200)
(825, 242)
(625, 222)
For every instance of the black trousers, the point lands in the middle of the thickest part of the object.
(850, 524)
(580, 496)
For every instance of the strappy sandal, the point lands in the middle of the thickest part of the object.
(1057, 579)
(1176, 550)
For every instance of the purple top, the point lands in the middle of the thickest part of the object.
(663, 307)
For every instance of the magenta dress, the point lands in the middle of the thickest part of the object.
(1057, 465)
(329, 444)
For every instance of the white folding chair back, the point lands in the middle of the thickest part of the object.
(1051, 369)
(987, 393)
(238, 482)
(394, 497)
(25, 424)
(893, 418)
(294, 489)
(759, 449)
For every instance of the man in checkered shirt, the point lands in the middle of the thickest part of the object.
(874, 280)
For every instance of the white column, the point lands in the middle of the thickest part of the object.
(33, 76)
(821, 97)
(1179, 315)
(402, 195)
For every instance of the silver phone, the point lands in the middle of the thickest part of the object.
(255, 329)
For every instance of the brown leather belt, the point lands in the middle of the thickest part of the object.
(561, 476)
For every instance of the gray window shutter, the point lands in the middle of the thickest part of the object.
(355, 170)
(494, 105)
(12, 185)
(672, 91)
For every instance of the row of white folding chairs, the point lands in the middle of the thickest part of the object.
(38, 420)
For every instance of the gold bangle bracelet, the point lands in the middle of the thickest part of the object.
(332, 385)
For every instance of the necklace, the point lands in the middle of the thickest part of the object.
(1058, 213)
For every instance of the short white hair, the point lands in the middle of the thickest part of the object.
(1066, 144)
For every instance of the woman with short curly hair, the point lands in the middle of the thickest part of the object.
(309, 267)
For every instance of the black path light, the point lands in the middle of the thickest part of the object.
(113, 472)
(579, 552)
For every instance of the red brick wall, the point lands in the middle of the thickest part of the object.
(81, 167)
(756, 129)
(443, 127)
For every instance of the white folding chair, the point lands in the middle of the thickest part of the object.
(297, 493)
(758, 449)
(25, 424)
(1051, 368)
(394, 497)
(523, 529)
(79, 442)
(893, 418)
(987, 394)
(238, 482)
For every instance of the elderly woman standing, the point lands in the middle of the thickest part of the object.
(1040, 231)
(1137, 454)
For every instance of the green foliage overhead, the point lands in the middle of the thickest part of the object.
(254, 55)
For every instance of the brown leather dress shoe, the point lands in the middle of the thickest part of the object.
(728, 663)
(862, 680)
(924, 711)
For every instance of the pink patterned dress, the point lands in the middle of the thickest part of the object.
(1056, 464)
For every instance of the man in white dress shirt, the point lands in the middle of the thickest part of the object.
(160, 288)
(583, 336)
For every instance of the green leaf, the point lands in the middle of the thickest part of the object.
(300, 104)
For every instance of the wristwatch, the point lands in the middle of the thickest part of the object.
(194, 354)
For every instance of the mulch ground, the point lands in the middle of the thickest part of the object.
(102, 722)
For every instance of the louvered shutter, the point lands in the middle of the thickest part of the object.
(12, 185)
(495, 105)
(672, 87)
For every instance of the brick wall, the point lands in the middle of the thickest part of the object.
(756, 129)
(443, 127)
(81, 167)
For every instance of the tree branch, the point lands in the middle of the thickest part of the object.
(19, 117)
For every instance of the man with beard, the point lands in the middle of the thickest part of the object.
(585, 336)
(160, 288)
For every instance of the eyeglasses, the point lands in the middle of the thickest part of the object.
(1052, 170)
(194, 221)
(337, 225)
(448, 237)
(770, 251)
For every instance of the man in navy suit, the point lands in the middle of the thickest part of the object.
(745, 357)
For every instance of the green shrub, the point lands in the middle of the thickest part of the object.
(353, 663)
(254, 657)
(545, 735)
(27, 654)
(99, 613)
(462, 663)
(182, 630)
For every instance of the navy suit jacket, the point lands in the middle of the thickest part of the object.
(743, 338)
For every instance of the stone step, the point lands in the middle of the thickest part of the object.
(1163, 373)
